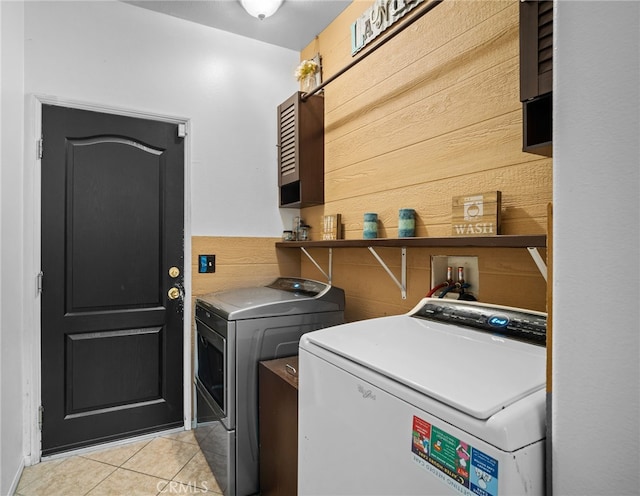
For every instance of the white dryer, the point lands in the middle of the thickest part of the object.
(447, 399)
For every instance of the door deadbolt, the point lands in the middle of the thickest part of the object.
(174, 272)
(173, 293)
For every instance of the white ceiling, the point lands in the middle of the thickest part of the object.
(293, 26)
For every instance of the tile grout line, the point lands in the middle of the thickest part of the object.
(201, 451)
(115, 467)
(104, 479)
(168, 480)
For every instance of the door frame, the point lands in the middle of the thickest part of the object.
(33, 343)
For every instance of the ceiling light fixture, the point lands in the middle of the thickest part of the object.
(261, 8)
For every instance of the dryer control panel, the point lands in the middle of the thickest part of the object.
(305, 287)
(511, 322)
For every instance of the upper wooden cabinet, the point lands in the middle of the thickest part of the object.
(536, 48)
(536, 75)
(301, 151)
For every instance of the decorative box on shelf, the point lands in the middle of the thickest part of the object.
(331, 227)
(477, 214)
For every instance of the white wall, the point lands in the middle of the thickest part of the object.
(229, 86)
(12, 277)
(596, 326)
(121, 56)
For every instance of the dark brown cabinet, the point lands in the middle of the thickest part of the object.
(278, 417)
(301, 151)
(536, 75)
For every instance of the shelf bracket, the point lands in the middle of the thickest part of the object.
(327, 276)
(542, 266)
(401, 285)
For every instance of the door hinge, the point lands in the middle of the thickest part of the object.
(40, 148)
(40, 415)
(182, 130)
(39, 282)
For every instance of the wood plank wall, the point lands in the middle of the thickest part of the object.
(434, 113)
(240, 262)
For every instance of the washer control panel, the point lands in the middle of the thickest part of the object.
(524, 325)
(305, 287)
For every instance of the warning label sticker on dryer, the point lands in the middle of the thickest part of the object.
(459, 465)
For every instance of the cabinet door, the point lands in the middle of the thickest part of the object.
(536, 48)
(301, 151)
(536, 75)
(288, 134)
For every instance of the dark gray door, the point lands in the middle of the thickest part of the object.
(112, 249)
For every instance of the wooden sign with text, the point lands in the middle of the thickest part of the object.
(332, 227)
(476, 214)
(376, 19)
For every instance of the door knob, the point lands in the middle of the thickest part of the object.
(173, 293)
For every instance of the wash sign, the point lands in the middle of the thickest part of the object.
(477, 214)
(376, 19)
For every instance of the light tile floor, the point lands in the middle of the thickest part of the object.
(169, 464)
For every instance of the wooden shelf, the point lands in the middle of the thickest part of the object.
(500, 241)
(530, 242)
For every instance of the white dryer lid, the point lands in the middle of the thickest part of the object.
(473, 371)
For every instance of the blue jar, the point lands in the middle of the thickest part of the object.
(407, 223)
(370, 229)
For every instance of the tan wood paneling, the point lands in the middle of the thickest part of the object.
(444, 157)
(508, 276)
(428, 63)
(415, 50)
(240, 262)
(432, 114)
(471, 102)
(526, 188)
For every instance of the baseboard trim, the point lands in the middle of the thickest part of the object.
(16, 479)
